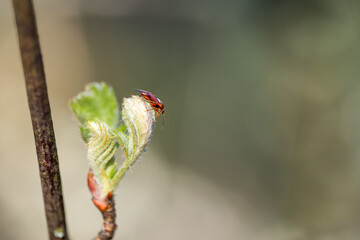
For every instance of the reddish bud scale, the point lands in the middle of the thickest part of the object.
(99, 202)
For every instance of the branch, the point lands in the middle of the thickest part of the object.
(41, 118)
(109, 225)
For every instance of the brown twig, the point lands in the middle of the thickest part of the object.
(109, 225)
(41, 118)
(105, 205)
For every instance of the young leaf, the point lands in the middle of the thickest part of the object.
(97, 110)
(97, 101)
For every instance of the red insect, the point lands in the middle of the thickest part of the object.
(156, 103)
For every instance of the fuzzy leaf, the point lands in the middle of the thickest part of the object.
(138, 121)
(97, 101)
(97, 110)
(101, 149)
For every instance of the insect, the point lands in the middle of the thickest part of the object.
(156, 103)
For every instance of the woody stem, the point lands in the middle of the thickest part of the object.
(41, 118)
(109, 225)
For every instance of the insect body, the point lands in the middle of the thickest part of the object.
(156, 103)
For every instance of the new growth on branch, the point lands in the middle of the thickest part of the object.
(99, 115)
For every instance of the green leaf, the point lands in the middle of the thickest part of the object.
(97, 101)
(98, 112)
(123, 139)
(101, 149)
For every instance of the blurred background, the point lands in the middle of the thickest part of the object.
(262, 129)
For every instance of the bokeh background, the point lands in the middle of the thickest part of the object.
(262, 131)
